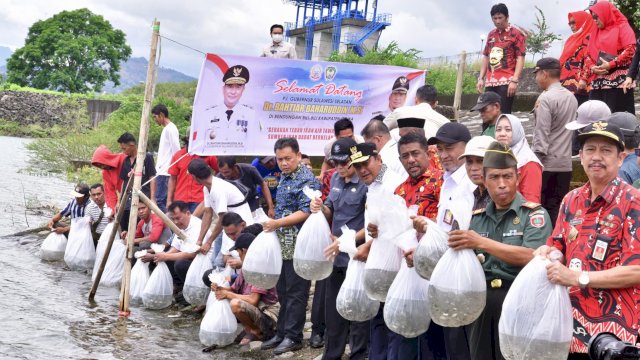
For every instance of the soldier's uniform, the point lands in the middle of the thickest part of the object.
(525, 224)
(229, 129)
(401, 85)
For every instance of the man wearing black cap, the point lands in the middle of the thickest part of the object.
(490, 107)
(628, 124)
(230, 124)
(398, 96)
(504, 236)
(555, 107)
(344, 206)
(598, 233)
(255, 308)
(74, 209)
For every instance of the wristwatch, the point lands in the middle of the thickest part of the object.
(583, 279)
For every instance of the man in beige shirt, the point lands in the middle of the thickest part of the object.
(278, 48)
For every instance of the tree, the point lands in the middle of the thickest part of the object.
(539, 39)
(73, 51)
(630, 9)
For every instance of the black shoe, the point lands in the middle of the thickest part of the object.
(271, 343)
(287, 345)
(316, 341)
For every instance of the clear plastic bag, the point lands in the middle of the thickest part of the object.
(139, 278)
(352, 301)
(431, 248)
(219, 326)
(158, 292)
(194, 290)
(536, 320)
(406, 310)
(263, 262)
(80, 253)
(458, 289)
(113, 269)
(315, 235)
(53, 247)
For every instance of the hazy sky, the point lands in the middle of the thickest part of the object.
(241, 27)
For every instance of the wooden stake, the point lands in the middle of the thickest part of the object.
(459, 81)
(137, 173)
(165, 219)
(112, 236)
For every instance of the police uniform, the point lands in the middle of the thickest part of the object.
(227, 128)
(401, 85)
(524, 224)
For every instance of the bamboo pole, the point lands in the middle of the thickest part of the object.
(112, 236)
(457, 98)
(137, 174)
(165, 219)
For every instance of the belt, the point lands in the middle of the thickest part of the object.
(499, 283)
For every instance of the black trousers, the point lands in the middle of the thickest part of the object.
(339, 330)
(456, 342)
(484, 342)
(507, 101)
(555, 185)
(178, 270)
(387, 345)
(616, 99)
(318, 308)
(293, 294)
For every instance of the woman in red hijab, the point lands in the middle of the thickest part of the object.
(609, 53)
(574, 52)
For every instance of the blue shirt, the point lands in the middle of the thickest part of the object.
(629, 171)
(290, 199)
(271, 176)
(74, 210)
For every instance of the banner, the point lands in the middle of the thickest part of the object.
(244, 104)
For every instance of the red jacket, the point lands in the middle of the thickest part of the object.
(110, 177)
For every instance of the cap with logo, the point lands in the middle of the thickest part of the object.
(266, 159)
(604, 129)
(237, 74)
(486, 99)
(81, 190)
(451, 133)
(401, 85)
(243, 241)
(362, 152)
(341, 149)
(477, 146)
(499, 156)
(547, 63)
(589, 112)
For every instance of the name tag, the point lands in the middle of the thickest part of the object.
(575, 222)
(512, 232)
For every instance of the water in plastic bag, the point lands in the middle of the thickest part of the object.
(406, 310)
(381, 268)
(431, 248)
(263, 262)
(113, 269)
(139, 279)
(158, 292)
(458, 289)
(53, 247)
(219, 326)
(536, 320)
(194, 290)
(309, 261)
(352, 302)
(80, 253)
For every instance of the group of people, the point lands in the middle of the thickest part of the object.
(516, 195)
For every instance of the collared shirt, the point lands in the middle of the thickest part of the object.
(187, 189)
(281, 50)
(94, 211)
(291, 199)
(229, 129)
(74, 210)
(242, 287)
(152, 229)
(524, 224)
(169, 145)
(629, 171)
(480, 199)
(222, 195)
(456, 197)
(423, 191)
(490, 130)
(391, 158)
(346, 201)
(192, 231)
(503, 48)
(597, 236)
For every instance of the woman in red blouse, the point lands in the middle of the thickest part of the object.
(509, 131)
(574, 52)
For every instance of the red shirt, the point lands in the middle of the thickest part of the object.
(595, 237)
(423, 191)
(187, 189)
(616, 74)
(530, 185)
(153, 229)
(503, 48)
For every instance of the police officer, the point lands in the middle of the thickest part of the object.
(231, 123)
(504, 236)
(397, 98)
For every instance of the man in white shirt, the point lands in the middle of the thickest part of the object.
(278, 48)
(376, 132)
(432, 120)
(169, 145)
(220, 197)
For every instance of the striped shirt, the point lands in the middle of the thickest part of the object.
(93, 210)
(74, 210)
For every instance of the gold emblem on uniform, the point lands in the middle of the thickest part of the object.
(516, 220)
(353, 150)
(481, 258)
(578, 213)
(573, 233)
(496, 283)
(237, 71)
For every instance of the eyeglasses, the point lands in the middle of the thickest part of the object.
(571, 23)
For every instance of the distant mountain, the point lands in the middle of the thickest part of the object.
(5, 53)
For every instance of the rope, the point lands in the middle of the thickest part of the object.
(184, 45)
(170, 165)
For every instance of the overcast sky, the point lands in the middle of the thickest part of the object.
(241, 27)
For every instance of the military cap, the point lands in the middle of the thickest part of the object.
(401, 85)
(362, 152)
(604, 129)
(341, 149)
(411, 122)
(237, 74)
(499, 156)
(486, 99)
(547, 63)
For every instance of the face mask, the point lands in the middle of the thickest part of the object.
(277, 38)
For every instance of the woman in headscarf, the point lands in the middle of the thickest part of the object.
(509, 131)
(574, 52)
(609, 54)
